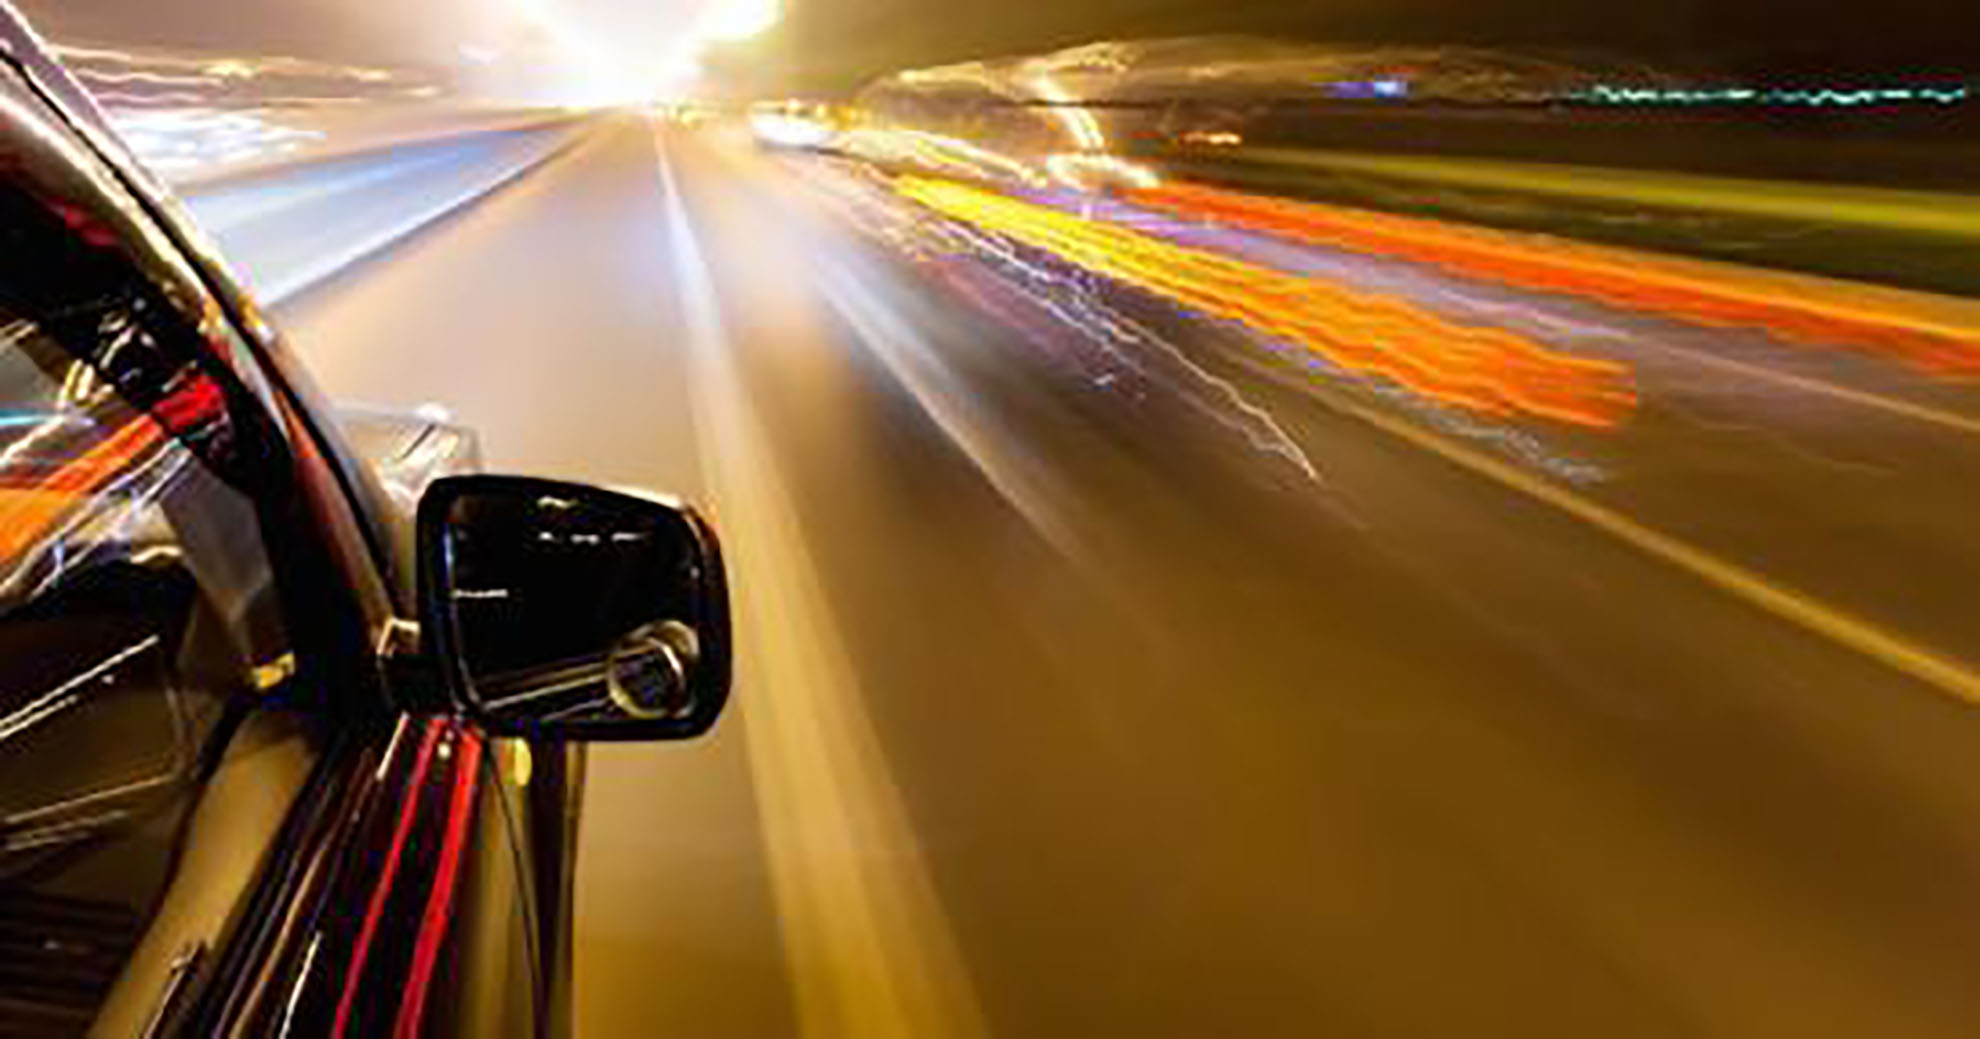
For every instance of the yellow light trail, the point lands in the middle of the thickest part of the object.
(1485, 370)
(935, 152)
(1091, 157)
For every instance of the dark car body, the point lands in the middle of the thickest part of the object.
(217, 816)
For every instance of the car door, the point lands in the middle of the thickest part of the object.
(151, 738)
(211, 818)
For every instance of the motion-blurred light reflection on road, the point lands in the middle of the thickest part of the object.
(1485, 370)
(1718, 297)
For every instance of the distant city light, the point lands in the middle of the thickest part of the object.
(606, 74)
(1780, 97)
(599, 79)
(1369, 89)
(787, 130)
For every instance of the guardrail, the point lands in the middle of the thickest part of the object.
(289, 227)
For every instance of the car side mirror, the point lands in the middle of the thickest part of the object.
(559, 609)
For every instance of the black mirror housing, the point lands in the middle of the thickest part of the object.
(553, 609)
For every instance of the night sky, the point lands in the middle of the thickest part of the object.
(826, 42)
(833, 44)
(342, 29)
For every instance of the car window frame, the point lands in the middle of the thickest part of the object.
(358, 512)
(331, 591)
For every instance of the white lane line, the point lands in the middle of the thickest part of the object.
(1946, 674)
(1577, 333)
(868, 948)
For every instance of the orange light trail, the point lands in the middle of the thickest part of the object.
(1486, 370)
(1720, 298)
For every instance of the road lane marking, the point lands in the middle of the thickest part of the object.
(866, 942)
(1946, 674)
(1897, 406)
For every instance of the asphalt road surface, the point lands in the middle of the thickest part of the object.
(1165, 684)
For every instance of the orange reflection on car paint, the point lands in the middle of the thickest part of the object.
(28, 508)
(1718, 297)
(440, 898)
(1486, 370)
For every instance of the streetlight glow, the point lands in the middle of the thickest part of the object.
(739, 19)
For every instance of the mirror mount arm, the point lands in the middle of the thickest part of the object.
(412, 677)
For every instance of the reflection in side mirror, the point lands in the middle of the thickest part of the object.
(559, 609)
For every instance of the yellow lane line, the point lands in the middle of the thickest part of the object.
(1948, 675)
(867, 945)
